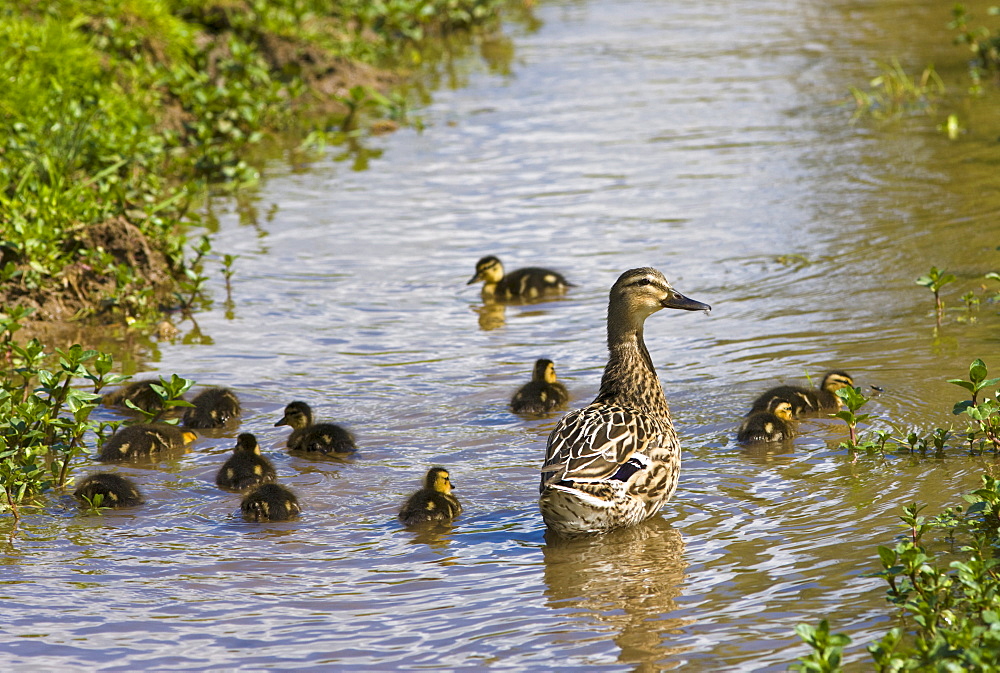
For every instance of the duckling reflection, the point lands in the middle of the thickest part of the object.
(627, 581)
(492, 315)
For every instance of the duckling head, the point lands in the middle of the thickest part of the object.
(438, 480)
(489, 270)
(639, 293)
(247, 443)
(781, 409)
(545, 371)
(835, 380)
(298, 415)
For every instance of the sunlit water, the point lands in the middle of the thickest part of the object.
(708, 140)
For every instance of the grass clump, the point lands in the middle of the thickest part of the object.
(116, 115)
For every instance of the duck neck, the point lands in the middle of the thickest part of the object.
(630, 379)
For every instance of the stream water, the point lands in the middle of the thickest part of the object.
(710, 140)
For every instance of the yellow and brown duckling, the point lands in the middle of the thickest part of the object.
(114, 491)
(246, 468)
(773, 424)
(139, 393)
(213, 408)
(270, 502)
(542, 394)
(808, 400)
(434, 502)
(528, 283)
(325, 438)
(144, 440)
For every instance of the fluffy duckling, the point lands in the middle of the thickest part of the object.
(115, 491)
(542, 394)
(808, 400)
(246, 468)
(528, 283)
(434, 502)
(270, 502)
(144, 440)
(323, 438)
(773, 424)
(213, 408)
(139, 393)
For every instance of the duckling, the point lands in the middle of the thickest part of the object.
(615, 462)
(528, 283)
(808, 400)
(144, 440)
(246, 467)
(213, 408)
(542, 394)
(270, 502)
(434, 502)
(115, 490)
(139, 393)
(773, 424)
(323, 438)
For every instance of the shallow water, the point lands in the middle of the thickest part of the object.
(706, 140)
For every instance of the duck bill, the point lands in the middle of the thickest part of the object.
(473, 279)
(283, 421)
(677, 300)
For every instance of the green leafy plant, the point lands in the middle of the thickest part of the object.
(934, 281)
(827, 648)
(853, 400)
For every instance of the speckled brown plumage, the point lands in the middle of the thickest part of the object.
(324, 438)
(213, 408)
(434, 502)
(522, 284)
(270, 502)
(144, 441)
(114, 489)
(615, 462)
(246, 468)
(808, 400)
(542, 394)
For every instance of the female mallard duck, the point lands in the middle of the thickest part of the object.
(615, 462)
(270, 502)
(528, 283)
(113, 490)
(322, 437)
(213, 408)
(246, 467)
(808, 400)
(542, 394)
(773, 424)
(144, 440)
(434, 502)
(139, 393)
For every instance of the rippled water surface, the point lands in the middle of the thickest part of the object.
(706, 139)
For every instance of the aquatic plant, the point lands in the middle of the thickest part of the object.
(893, 92)
(934, 281)
(980, 41)
(853, 399)
(949, 617)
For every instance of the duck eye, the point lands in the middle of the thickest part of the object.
(642, 281)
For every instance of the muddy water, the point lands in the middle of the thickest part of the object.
(704, 139)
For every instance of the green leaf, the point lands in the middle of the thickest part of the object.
(977, 371)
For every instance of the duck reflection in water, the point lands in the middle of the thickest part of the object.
(626, 581)
(492, 315)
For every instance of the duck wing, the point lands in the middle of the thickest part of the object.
(597, 442)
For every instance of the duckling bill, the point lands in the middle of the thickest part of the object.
(434, 502)
(246, 468)
(808, 400)
(324, 438)
(528, 283)
(542, 394)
